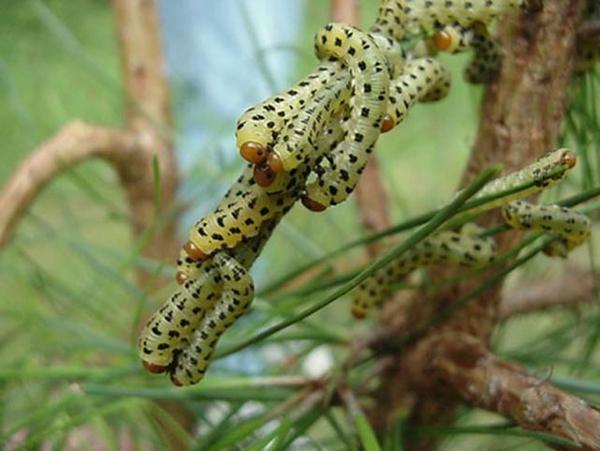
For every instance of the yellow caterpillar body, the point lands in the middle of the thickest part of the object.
(423, 79)
(484, 66)
(260, 125)
(236, 295)
(168, 332)
(442, 248)
(571, 227)
(370, 78)
(399, 18)
(299, 139)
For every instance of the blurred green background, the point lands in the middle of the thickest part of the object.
(69, 306)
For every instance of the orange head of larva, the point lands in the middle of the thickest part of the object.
(181, 277)
(312, 205)
(358, 313)
(253, 152)
(194, 251)
(568, 158)
(264, 175)
(387, 123)
(442, 40)
(153, 367)
(275, 162)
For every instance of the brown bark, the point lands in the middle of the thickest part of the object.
(570, 289)
(148, 114)
(521, 115)
(76, 142)
(463, 364)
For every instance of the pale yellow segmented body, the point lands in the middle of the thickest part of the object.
(239, 218)
(443, 248)
(299, 139)
(262, 123)
(167, 331)
(446, 247)
(370, 88)
(426, 14)
(236, 295)
(571, 227)
(424, 79)
(400, 18)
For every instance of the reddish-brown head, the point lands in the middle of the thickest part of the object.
(194, 252)
(253, 152)
(153, 367)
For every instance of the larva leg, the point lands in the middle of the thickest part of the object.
(442, 248)
(369, 94)
(166, 332)
(237, 294)
(572, 227)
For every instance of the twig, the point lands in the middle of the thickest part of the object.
(568, 290)
(480, 378)
(345, 11)
(74, 143)
(589, 33)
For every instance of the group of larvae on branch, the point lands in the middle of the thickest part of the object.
(312, 142)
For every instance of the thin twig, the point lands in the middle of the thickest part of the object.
(464, 364)
(73, 144)
(570, 289)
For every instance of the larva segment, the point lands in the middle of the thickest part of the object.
(390, 19)
(238, 219)
(237, 293)
(573, 228)
(424, 79)
(259, 126)
(487, 58)
(427, 14)
(544, 172)
(442, 248)
(399, 18)
(393, 52)
(370, 88)
(299, 138)
(167, 331)
(484, 66)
